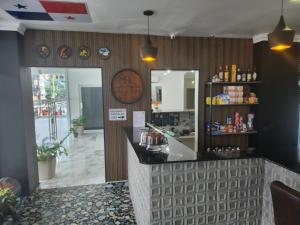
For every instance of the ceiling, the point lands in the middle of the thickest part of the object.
(230, 18)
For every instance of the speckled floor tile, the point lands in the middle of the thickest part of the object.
(105, 204)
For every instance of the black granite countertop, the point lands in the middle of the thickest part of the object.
(176, 152)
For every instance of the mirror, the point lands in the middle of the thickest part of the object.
(174, 104)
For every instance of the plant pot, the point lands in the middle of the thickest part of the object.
(47, 168)
(75, 135)
(80, 130)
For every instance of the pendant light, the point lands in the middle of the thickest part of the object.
(282, 37)
(148, 51)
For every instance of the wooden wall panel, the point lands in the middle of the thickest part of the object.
(203, 54)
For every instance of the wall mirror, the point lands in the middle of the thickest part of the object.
(174, 104)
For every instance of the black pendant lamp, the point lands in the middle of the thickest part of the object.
(148, 51)
(282, 37)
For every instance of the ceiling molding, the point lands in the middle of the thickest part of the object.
(21, 28)
(264, 37)
(13, 26)
(260, 37)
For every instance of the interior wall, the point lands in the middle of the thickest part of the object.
(170, 84)
(17, 138)
(279, 99)
(188, 53)
(88, 77)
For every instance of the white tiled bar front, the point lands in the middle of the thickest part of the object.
(204, 192)
(273, 172)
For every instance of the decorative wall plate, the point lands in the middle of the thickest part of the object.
(104, 53)
(127, 86)
(64, 52)
(43, 51)
(84, 52)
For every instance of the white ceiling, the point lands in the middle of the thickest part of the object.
(224, 18)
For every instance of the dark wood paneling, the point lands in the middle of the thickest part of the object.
(203, 54)
(279, 98)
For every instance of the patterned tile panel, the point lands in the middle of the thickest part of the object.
(275, 172)
(213, 192)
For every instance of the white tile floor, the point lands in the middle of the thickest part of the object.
(85, 163)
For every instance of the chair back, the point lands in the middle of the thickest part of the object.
(286, 204)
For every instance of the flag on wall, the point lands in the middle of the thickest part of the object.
(46, 10)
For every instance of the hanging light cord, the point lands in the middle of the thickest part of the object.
(148, 26)
(282, 7)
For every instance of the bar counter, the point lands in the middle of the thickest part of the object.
(185, 188)
(177, 152)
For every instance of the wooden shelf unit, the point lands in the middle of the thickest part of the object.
(218, 113)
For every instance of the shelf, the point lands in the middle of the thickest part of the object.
(184, 111)
(236, 133)
(225, 105)
(233, 83)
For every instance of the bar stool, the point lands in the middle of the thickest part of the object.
(286, 204)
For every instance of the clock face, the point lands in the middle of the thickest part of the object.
(84, 52)
(127, 86)
(43, 51)
(104, 53)
(64, 52)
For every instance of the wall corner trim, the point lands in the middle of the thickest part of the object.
(13, 26)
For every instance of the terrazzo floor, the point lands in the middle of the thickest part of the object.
(105, 204)
(85, 163)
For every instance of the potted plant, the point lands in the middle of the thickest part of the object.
(74, 131)
(79, 124)
(46, 155)
(7, 204)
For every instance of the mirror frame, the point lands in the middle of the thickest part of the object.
(197, 114)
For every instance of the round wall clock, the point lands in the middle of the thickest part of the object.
(127, 86)
(84, 52)
(104, 53)
(64, 52)
(43, 51)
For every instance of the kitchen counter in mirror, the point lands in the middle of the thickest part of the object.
(176, 151)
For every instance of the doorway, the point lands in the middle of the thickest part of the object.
(68, 106)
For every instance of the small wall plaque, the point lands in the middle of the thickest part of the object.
(64, 52)
(43, 51)
(104, 53)
(84, 52)
(117, 114)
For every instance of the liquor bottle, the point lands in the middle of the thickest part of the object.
(238, 75)
(244, 77)
(233, 73)
(254, 75)
(221, 74)
(226, 74)
(249, 75)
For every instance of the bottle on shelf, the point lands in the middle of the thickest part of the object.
(249, 75)
(221, 74)
(244, 77)
(226, 74)
(254, 75)
(238, 75)
(233, 73)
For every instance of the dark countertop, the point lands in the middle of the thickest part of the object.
(177, 152)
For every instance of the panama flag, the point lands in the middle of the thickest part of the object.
(46, 10)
